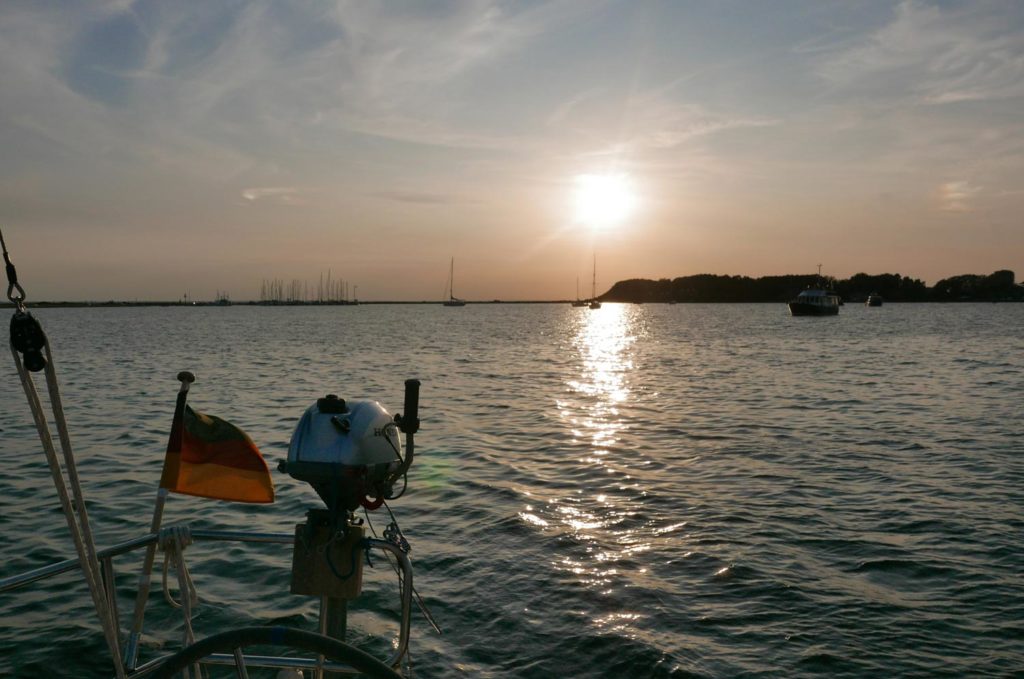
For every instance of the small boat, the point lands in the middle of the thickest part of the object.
(452, 300)
(594, 302)
(874, 299)
(815, 302)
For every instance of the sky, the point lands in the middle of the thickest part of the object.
(153, 149)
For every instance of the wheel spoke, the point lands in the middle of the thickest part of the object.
(240, 664)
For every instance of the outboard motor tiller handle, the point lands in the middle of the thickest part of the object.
(409, 422)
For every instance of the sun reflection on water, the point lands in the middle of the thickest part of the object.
(597, 509)
(602, 339)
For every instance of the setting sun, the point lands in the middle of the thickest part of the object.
(603, 200)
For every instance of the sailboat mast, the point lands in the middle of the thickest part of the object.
(593, 284)
(451, 277)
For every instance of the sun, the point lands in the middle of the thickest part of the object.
(603, 200)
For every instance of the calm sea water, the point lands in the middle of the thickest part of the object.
(639, 491)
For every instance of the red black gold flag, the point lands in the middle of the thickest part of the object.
(210, 457)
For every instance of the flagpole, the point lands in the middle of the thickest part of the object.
(131, 652)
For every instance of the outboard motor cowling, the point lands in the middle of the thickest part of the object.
(348, 451)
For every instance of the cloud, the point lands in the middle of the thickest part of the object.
(649, 120)
(938, 55)
(956, 196)
(282, 195)
(218, 89)
(419, 197)
(679, 124)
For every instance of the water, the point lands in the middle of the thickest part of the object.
(639, 491)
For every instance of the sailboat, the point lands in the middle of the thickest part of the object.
(579, 302)
(450, 289)
(594, 303)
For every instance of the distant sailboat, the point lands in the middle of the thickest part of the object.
(452, 300)
(579, 302)
(594, 303)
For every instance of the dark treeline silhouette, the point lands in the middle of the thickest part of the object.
(999, 286)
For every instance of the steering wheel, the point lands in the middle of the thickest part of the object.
(232, 642)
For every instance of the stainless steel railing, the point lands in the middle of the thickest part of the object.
(106, 558)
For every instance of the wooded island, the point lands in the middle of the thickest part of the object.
(999, 286)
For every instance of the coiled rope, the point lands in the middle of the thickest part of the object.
(173, 540)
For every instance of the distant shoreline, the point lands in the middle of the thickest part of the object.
(1000, 286)
(118, 304)
(128, 305)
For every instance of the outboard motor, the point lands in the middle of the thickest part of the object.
(351, 453)
(348, 451)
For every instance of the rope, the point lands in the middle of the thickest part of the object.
(406, 548)
(76, 514)
(142, 595)
(173, 541)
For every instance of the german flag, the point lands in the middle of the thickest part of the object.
(210, 457)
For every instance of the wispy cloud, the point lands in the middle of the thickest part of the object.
(419, 197)
(939, 55)
(677, 125)
(647, 121)
(957, 196)
(283, 195)
(231, 86)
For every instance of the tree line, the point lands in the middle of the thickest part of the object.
(997, 286)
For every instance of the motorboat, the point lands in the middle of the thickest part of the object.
(815, 302)
(874, 299)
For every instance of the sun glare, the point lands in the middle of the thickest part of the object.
(603, 200)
